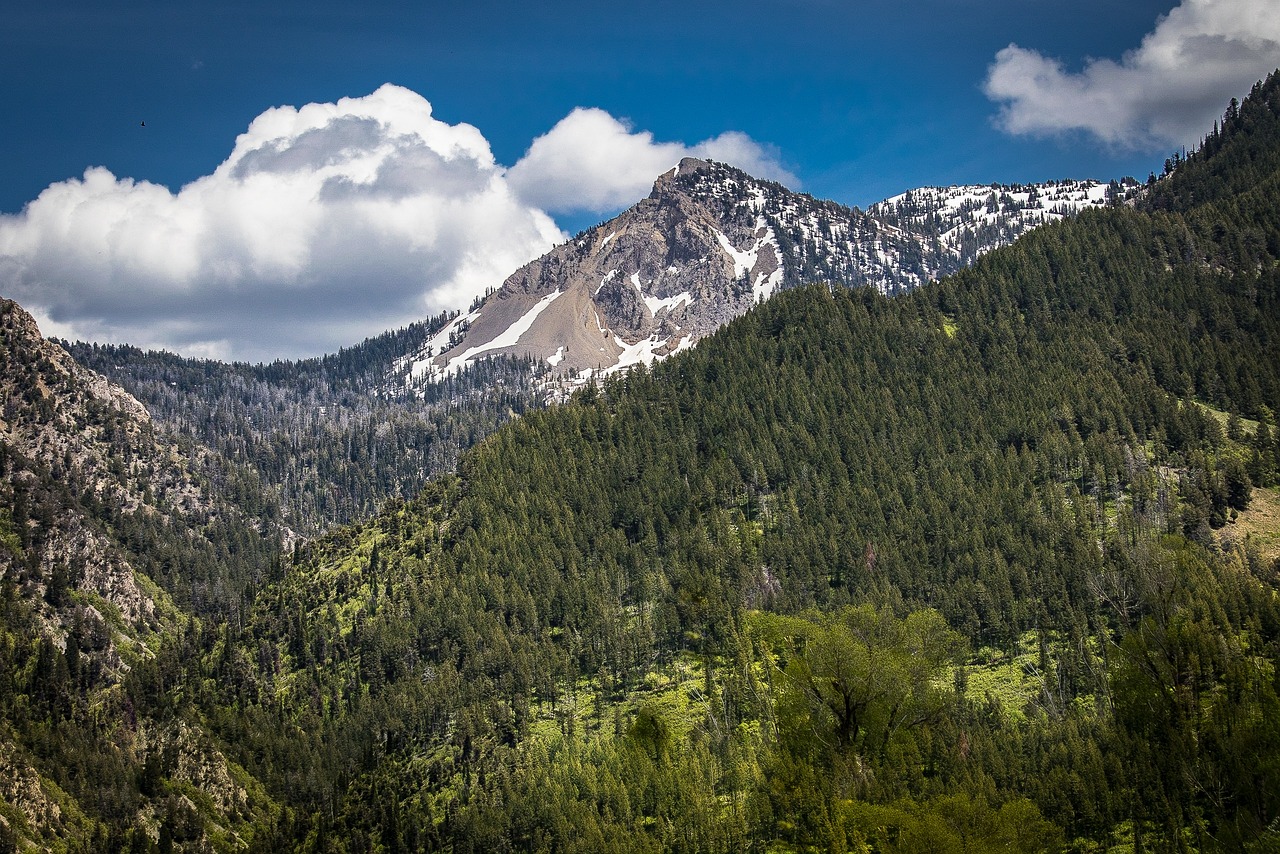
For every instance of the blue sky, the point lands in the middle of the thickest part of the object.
(852, 101)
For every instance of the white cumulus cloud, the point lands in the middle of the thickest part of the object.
(591, 161)
(1167, 91)
(326, 224)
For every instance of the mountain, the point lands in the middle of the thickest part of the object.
(987, 565)
(326, 441)
(708, 243)
(114, 552)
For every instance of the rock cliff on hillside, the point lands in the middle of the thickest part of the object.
(70, 441)
(95, 501)
(110, 541)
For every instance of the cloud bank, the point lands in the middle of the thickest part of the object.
(591, 161)
(1165, 92)
(326, 224)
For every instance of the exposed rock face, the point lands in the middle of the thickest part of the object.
(707, 244)
(76, 450)
(40, 817)
(189, 757)
(90, 496)
(66, 434)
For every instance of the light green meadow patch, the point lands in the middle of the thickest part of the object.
(676, 693)
(1259, 524)
(1014, 681)
(1249, 426)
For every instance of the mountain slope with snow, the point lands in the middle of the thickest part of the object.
(707, 244)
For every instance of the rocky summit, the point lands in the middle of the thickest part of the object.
(709, 242)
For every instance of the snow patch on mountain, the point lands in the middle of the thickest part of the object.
(657, 304)
(508, 338)
(608, 277)
(765, 285)
(420, 363)
(742, 261)
(644, 352)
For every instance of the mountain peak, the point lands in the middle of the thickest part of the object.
(692, 172)
(708, 243)
(692, 164)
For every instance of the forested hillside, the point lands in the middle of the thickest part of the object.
(324, 441)
(990, 565)
(965, 569)
(115, 549)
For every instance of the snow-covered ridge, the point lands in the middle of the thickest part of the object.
(973, 219)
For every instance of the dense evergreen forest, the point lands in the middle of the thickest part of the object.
(989, 566)
(319, 442)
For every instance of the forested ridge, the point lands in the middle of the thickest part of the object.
(113, 544)
(672, 613)
(970, 568)
(319, 442)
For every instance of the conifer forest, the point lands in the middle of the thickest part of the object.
(992, 564)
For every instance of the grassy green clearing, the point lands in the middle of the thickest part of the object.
(1260, 523)
(1248, 425)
